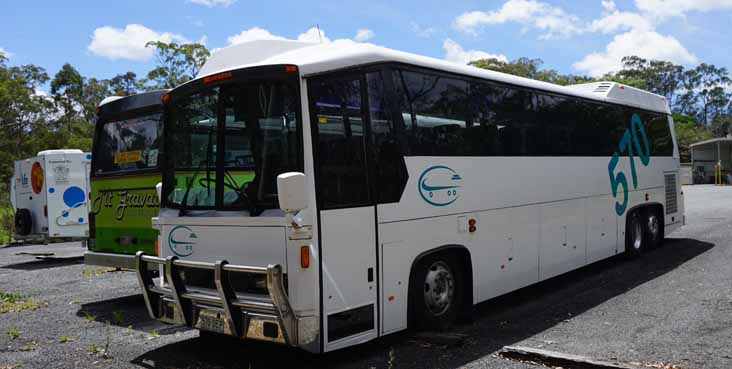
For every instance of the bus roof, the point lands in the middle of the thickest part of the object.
(319, 58)
(117, 104)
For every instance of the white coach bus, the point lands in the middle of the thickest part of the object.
(321, 196)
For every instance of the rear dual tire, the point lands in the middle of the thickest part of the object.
(644, 231)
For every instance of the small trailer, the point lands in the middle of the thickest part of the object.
(49, 194)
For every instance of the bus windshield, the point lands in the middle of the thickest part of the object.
(227, 145)
(127, 145)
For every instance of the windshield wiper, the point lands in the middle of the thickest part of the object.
(189, 185)
(184, 203)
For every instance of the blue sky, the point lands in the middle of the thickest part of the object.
(102, 38)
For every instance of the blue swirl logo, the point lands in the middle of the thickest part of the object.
(439, 185)
(181, 240)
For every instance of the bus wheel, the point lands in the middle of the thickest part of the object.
(635, 239)
(438, 292)
(654, 229)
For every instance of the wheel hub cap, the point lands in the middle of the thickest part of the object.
(653, 226)
(439, 288)
(637, 235)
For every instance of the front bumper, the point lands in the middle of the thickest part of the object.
(110, 260)
(247, 316)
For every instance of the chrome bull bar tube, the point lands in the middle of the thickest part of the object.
(261, 317)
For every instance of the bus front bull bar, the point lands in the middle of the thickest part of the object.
(248, 316)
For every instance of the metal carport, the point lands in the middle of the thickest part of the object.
(706, 155)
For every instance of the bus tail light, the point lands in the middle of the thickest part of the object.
(305, 257)
(156, 247)
(291, 69)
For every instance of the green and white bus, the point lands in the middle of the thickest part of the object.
(124, 173)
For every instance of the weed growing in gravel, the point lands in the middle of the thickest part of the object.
(96, 272)
(102, 350)
(30, 346)
(118, 317)
(13, 333)
(154, 333)
(89, 316)
(13, 303)
(64, 339)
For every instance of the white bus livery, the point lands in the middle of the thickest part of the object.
(323, 195)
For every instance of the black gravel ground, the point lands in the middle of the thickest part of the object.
(673, 306)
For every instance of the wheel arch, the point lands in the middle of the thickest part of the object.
(464, 258)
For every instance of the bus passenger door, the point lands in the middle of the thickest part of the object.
(347, 214)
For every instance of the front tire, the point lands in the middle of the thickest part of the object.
(437, 292)
(635, 234)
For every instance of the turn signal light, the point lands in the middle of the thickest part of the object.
(305, 257)
(156, 247)
(166, 97)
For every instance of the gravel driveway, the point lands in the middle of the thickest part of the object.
(673, 306)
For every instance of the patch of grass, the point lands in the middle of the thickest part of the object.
(96, 272)
(30, 346)
(14, 302)
(154, 333)
(101, 350)
(118, 317)
(64, 339)
(89, 316)
(13, 333)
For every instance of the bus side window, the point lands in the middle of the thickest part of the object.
(340, 143)
(438, 109)
(390, 168)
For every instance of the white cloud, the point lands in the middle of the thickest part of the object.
(614, 20)
(643, 43)
(364, 35)
(313, 35)
(213, 3)
(455, 53)
(553, 21)
(6, 53)
(254, 33)
(128, 43)
(423, 32)
(663, 9)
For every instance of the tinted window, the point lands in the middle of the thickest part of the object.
(435, 113)
(506, 119)
(340, 142)
(658, 133)
(390, 169)
(127, 145)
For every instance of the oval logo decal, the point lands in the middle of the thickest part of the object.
(439, 185)
(181, 240)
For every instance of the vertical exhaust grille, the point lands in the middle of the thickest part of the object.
(671, 198)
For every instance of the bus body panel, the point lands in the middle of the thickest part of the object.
(122, 209)
(349, 268)
(237, 241)
(513, 246)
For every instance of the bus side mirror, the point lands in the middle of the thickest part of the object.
(291, 192)
(159, 191)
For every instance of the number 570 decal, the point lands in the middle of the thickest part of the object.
(627, 143)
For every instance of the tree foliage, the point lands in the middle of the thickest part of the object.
(177, 64)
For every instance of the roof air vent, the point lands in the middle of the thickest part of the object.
(603, 87)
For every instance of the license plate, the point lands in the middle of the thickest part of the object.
(212, 321)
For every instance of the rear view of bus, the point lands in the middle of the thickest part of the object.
(124, 173)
